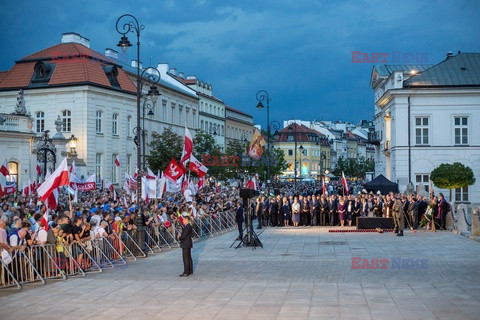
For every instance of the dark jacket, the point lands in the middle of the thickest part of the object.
(186, 236)
(239, 215)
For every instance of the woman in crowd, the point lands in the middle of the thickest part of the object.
(295, 212)
(342, 209)
(286, 211)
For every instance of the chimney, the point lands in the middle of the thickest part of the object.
(162, 68)
(111, 53)
(191, 78)
(70, 37)
(173, 71)
(134, 64)
(449, 55)
(181, 75)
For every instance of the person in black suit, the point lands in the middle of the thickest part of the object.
(186, 244)
(239, 219)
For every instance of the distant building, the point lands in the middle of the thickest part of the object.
(239, 126)
(425, 116)
(312, 153)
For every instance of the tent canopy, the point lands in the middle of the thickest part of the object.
(381, 184)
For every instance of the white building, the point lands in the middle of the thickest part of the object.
(95, 99)
(211, 109)
(426, 116)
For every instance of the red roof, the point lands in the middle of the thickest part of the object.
(302, 133)
(74, 64)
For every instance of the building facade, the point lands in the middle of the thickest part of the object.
(312, 151)
(426, 116)
(238, 126)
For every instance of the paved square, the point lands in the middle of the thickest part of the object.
(302, 273)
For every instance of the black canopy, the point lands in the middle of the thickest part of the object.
(381, 184)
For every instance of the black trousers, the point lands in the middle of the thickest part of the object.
(322, 218)
(240, 229)
(187, 260)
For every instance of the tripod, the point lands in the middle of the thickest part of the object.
(250, 239)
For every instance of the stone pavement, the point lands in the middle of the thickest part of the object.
(302, 273)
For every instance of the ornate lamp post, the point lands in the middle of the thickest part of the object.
(262, 95)
(46, 152)
(73, 145)
(125, 24)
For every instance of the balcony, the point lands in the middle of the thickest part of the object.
(386, 147)
(374, 137)
(16, 123)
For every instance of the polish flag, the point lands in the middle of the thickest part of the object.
(150, 174)
(39, 171)
(45, 219)
(200, 183)
(324, 187)
(33, 185)
(135, 174)
(197, 166)
(52, 200)
(187, 148)
(344, 182)
(114, 195)
(58, 178)
(26, 190)
(4, 169)
(117, 161)
(184, 185)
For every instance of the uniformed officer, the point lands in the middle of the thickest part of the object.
(398, 217)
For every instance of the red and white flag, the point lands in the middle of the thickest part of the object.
(187, 148)
(73, 169)
(58, 178)
(26, 190)
(114, 195)
(197, 166)
(344, 182)
(39, 170)
(174, 171)
(52, 200)
(117, 161)
(324, 187)
(45, 219)
(200, 183)
(4, 169)
(150, 175)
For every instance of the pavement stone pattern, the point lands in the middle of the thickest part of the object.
(301, 273)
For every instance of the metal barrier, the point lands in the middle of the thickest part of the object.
(20, 270)
(131, 244)
(50, 262)
(152, 239)
(120, 246)
(105, 254)
(82, 258)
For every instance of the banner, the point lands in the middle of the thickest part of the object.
(255, 149)
(83, 184)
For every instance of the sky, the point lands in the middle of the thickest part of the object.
(299, 51)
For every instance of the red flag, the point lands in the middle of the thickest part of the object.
(73, 169)
(174, 171)
(324, 187)
(4, 169)
(200, 183)
(187, 148)
(344, 182)
(39, 171)
(117, 161)
(197, 166)
(52, 200)
(45, 219)
(57, 179)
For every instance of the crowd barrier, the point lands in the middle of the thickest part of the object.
(39, 263)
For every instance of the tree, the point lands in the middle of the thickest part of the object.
(339, 167)
(163, 148)
(203, 143)
(452, 176)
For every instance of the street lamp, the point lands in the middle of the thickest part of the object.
(262, 95)
(130, 24)
(73, 145)
(295, 153)
(301, 151)
(149, 102)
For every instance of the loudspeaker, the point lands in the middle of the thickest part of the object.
(246, 193)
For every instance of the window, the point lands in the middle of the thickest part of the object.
(98, 122)
(290, 152)
(201, 124)
(194, 124)
(221, 132)
(461, 194)
(461, 130)
(115, 124)
(13, 171)
(180, 114)
(422, 179)
(129, 126)
(114, 169)
(39, 122)
(164, 110)
(305, 152)
(66, 121)
(421, 130)
(129, 162)
(98, 167)
(290, 138)
(173, 113)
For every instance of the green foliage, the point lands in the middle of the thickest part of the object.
(353, 168)
(203, 143)
(451, 176)
(163, 148)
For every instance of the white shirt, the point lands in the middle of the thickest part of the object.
(188, 195)
(42, 236)
(100, 231)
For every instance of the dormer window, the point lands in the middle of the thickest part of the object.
(112, 72)
(42, 73)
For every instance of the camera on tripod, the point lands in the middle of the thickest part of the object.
(250, 239)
